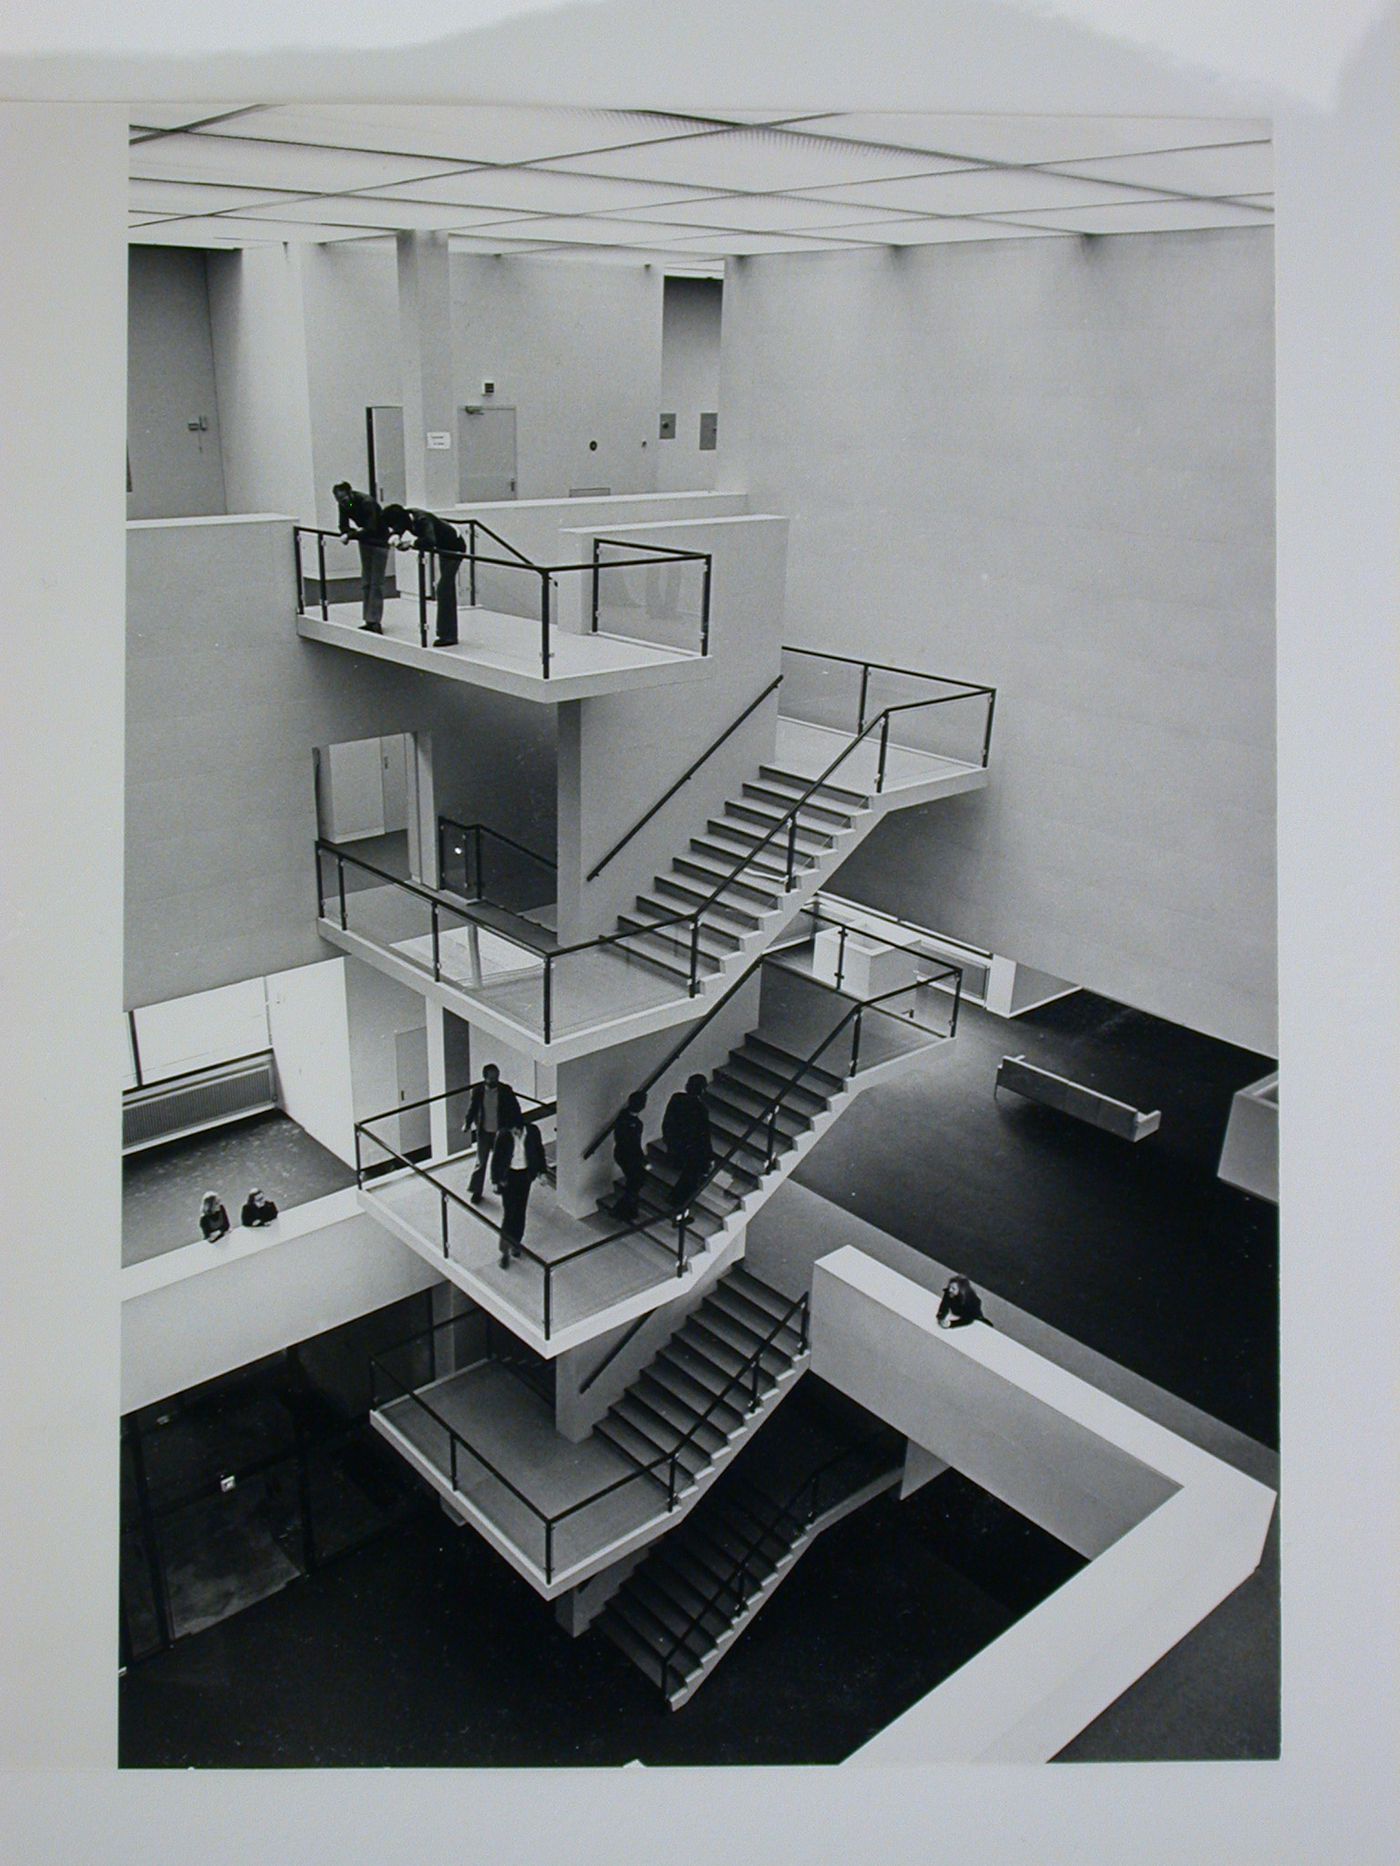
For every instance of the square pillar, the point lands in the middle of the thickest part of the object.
(425, 359)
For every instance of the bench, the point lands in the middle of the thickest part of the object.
(1085, 1104)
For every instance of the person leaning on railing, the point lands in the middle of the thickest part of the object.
(432, 533)
(359, 510)
(213, 1219)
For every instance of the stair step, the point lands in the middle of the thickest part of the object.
(713, 870)
(656, 1216)
(758, 1292)
(695, 1449)
(761, 1074)
(734, 1302)
(769, 1048)
(824, 815)
(644, 1450)
(729, 843)
(681, 1554)
(737, 1374)
(725, 1549)
(694, 1592)
(749, 812)
(653, 1628)
(683, 1419)
(714, 942)
(674, 892)
(665, 951)
(741, 1341)
(665, 1170)
(733, 1139)
(668, 1373)
(793, 785)
(706, 1371)
(642, 1655)
(715, 934)
(740, 1102)
(742, 1531)
(695, 1638)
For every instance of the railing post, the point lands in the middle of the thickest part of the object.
(549, 1548)
(548, 1299)
(594, 629)
(864, 690)
(548, 993)
(681, 1229)
(340, 882)
(884, 748)
(772, 1139)
(320, 892)
(422, 600)
(757, 1371)
(855, 1038)
(792, 851)
(705, 607)
(437, 950)
(321, 572)
(301, 580)
(442, 1202)
(804, 1331)
(359, 1161)
(452, 1456)
(480, 864)
(695, 955)
(987, 735)
(841, 955)
(544, 622)
(671, 1485)
(471, 574)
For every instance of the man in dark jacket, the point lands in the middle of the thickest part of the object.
(629, 1151)
(517, 1160)
(366, 516)
(491, 1110)
(431, 533)
(685, 1128)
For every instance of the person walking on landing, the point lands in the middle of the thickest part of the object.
(517, 1160)
(492, 1109)
(365, 514)
(685, 1128)
(629, 1152)
(431, 533)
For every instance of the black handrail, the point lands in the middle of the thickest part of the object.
(947, 968)
(969, 688)
(684, 778)
(738, 1579)
(484, 829)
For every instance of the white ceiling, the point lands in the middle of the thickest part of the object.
(684, 191)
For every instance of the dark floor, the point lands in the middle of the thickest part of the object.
(162, 1187)
(388, 852)
(425, 1650)
(1137, 1250)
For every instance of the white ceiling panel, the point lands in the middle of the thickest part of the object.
(1152, 217)
(1035, 139)
(145, 117)
(752, 243)
(979, 191)
(466, 132)
(945, 232)
(544, 191)
(244, 231)
(249, 163)
(1240, 168)
(763, 213)
(569, 229)
(180, 197)
(357, 210)
(756, 160)
(184, 233)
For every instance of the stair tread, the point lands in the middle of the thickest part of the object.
(677, 1414)
(644, 1451)
(795, 782)
(813, 805)
(692, 1392)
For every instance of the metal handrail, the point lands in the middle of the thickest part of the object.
(739, 1569)
(484, 829)
(684, 778)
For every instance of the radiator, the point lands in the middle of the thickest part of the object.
(205, 1098)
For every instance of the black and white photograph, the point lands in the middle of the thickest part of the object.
(691, 771)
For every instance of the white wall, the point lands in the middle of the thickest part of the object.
(199, 1031)
(201, 1311)
(169, 383)
(257, 315)
(308, 1020)
(1047, 465)
(379, 1008)
(690, 352)
(351, 305)
(576, 350)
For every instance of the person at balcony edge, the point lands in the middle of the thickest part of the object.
(432, 533)
(359, 510)
(629, 1152)
(492, 1109)
(959, 1304)
(517, 1160)
(213, 1219)
(258, 1209)
(685, 1128)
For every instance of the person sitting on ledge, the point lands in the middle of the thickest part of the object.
(431, 533)
(960, 1304)
(257, 1210)
(213, 1219)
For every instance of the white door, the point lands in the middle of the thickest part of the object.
(387, 477)
(487, 454)
(393, 762)
(352, 790)
(411, 1059)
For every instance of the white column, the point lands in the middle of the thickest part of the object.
(425, 354)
